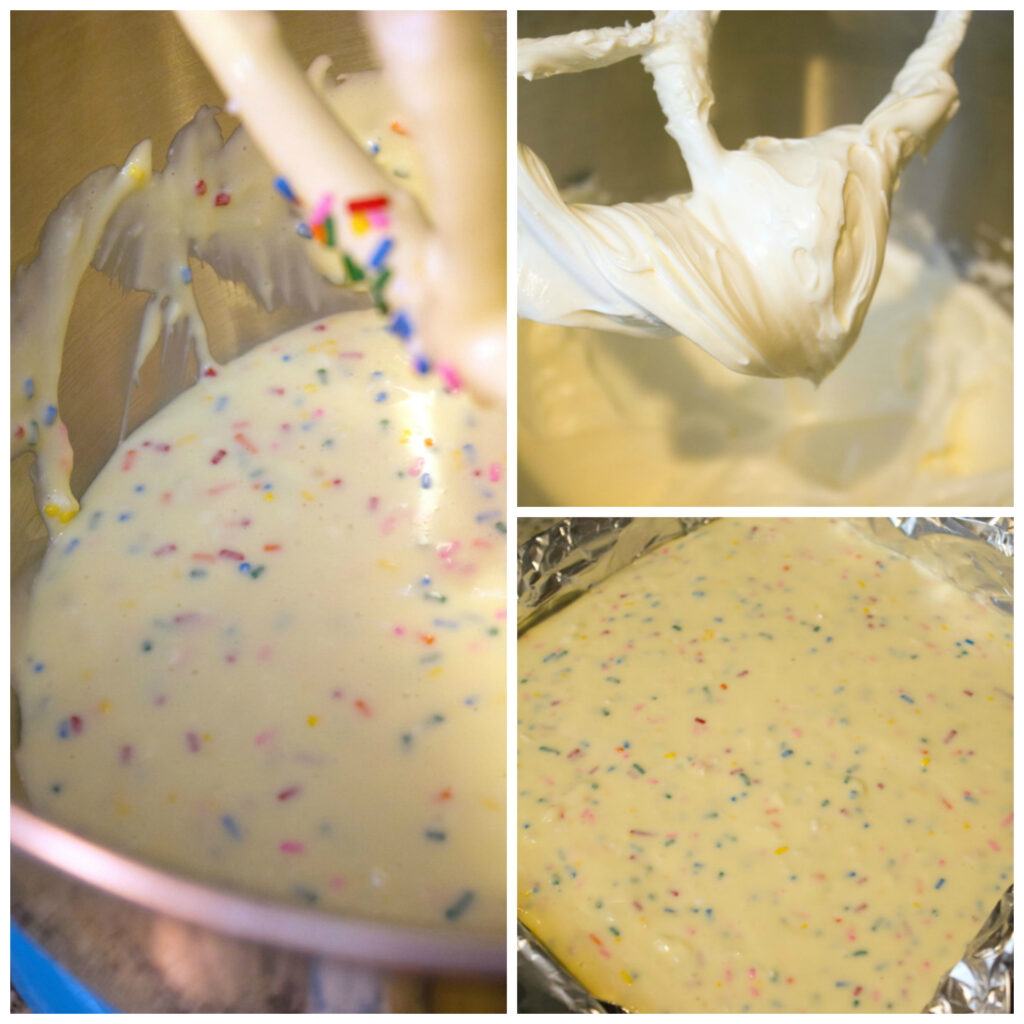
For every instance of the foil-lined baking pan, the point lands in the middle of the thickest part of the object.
(560, 559)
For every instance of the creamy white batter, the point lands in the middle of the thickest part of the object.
(919, 413)
(770, 263)
(765, 769)
(269, 650)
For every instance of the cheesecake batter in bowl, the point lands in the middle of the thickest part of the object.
(919, 410)
(332, 427)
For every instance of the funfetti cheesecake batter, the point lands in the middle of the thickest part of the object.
(269, 651)
(767, 768)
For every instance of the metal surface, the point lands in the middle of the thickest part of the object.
(785, 74)
(86, 87)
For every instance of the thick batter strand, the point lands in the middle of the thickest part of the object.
(765, 769)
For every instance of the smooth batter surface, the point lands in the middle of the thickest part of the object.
(269, 651)
(921, 410)
(766, 769)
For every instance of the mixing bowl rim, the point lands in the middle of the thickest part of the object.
(381, 945)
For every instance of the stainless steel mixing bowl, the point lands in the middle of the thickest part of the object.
(785, 74)
(86, 87)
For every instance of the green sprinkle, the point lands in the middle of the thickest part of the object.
(322, 375)
(549, 750)
(352, 270)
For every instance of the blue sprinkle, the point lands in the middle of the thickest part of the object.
(50, 416)
(968, 641)
(186, 275)
(124, 517)
(907, 698)
(302, 230)
(401, 325)
(446, 623)
(221, 404)
(285, 189)
(38, 667)
(30, 388)
(435, 835)
(139, 488)
(71, 546)
(787, 753)
(381, 254)
(460, 906)
(425, 482)
(425, 581)
(421, 365)
(64, 729)
(373, 147)
(231, 826)
(940, 883)
(244, 567)
(381, 396)
(286, 359)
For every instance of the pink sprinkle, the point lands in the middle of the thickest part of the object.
(265, 652)
(287, 794)
(372, 504)
(388, 525)
(350, 355)
(337, 694)
(587, 815)
(494, 472)
(1008, 820)
(292, 847)
(321, 210)
(320, 327)
(165, 549)
(337, 882)
(399, 631)
(449, 376)
(218, 455)
(265, 737)
(994, 845)
(194, 743)
(417, 467)
(501, 613)
(126, 754)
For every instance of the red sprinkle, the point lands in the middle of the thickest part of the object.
(200, 187)
(126, 754)
(209, 372)
(287, 794)
(77, 725)
(236, 556)
(129, 460)
(701, 720)
(370, 203)
(222, 199)
(19, 433)
(218, 455)
(165, 549)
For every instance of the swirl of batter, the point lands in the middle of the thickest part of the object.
(771, 262)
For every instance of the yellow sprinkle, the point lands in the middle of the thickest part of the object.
(626, 977)
(966, 825)
(269, 496)
(187, 439)
(206, 737)
(307, 495)
(360, 224)
(861, 583)
(123, 809)
(68, 515)
(309, 388)
(383, 563)
(50, 509)
(436, 671)
(804, 925)
(926, 760)
(172, 798)
(403, 437)
(105, 706)
(312, 720)
(136, 173)
(782, 849)
(670, 755)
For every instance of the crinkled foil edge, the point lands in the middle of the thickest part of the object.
(560, 559)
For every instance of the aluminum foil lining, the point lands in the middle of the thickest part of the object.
(560, 559)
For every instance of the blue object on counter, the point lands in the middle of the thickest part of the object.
(44, 984)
